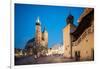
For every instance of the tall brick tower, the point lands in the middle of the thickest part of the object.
(38, 35)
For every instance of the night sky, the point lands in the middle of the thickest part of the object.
(52, 17)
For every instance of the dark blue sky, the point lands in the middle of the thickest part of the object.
(52, 17)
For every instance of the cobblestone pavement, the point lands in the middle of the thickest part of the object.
(53, 59)
(42, 60)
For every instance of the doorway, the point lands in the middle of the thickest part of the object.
(77, 55)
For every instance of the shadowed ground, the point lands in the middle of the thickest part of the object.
(41, 60)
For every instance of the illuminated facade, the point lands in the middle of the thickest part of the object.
(79, 42)
(67, 37)
(56, 49)
(41, 38)
(83, 37)
(38, 36)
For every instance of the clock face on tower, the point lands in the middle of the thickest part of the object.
(70, 19)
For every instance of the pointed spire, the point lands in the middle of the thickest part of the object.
(38, 21)
(44, 30)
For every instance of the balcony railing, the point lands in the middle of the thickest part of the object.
(84, 35)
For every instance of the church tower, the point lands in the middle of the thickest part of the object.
(45, 37)
(67, 37)
(38, 36)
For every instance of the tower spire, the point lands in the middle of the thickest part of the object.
(38, 21)
(44, 29)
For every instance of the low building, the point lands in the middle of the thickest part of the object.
(29, 46)
(19, 52)
(56, 50)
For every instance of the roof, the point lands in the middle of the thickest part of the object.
(85, 22)
(30, 43)
(86, 11)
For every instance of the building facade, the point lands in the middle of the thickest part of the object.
(83, 37)
(79, 41)
(41, 38)
(57, 49)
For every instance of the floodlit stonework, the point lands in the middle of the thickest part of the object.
(79, 42)
(83, 46)
(56, 49)
(41, 38)
(67, 37)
